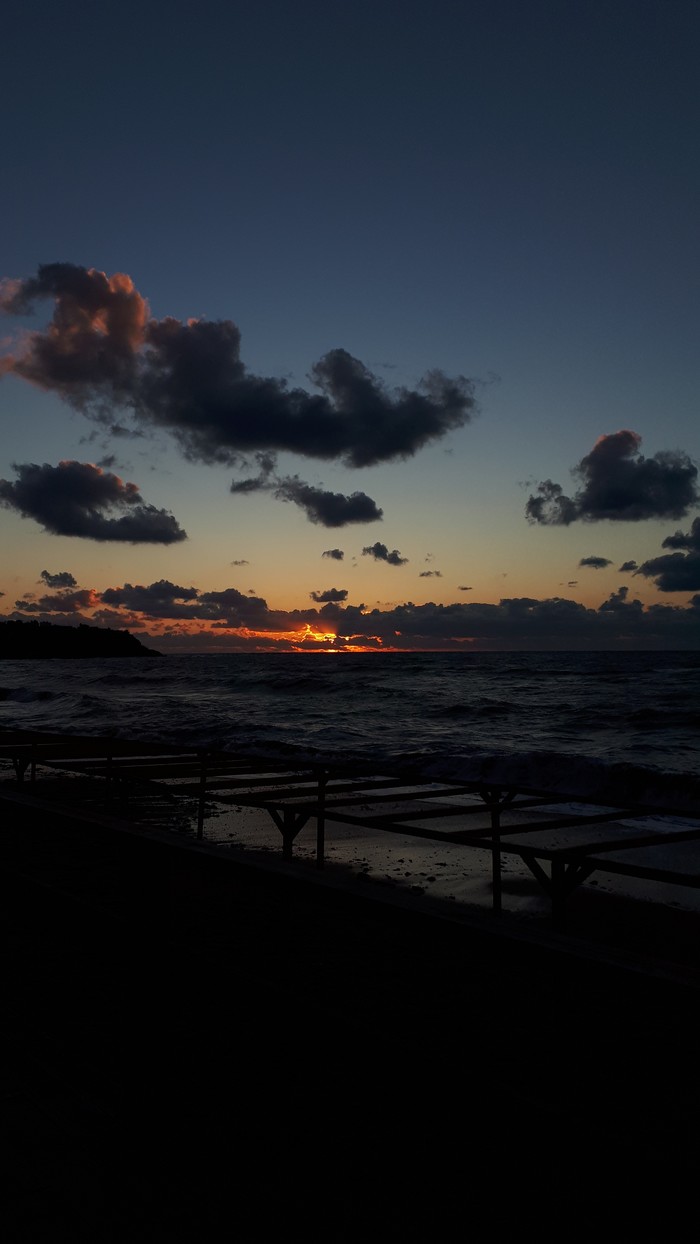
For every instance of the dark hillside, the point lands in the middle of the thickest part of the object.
(32, 639)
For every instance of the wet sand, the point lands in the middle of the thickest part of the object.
(651, 924)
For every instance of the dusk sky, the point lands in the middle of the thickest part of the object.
(376, 321)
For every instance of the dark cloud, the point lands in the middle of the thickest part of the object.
(62, 602)
(265, 480)
(596, 563)
(464, 588)
(62, 579)
(75, 499)
(380, 553)
(330, 509)
(171, 600)
(241, 561)
(336, 554)
(618, 483)
(430, 574)
(551, 507)
(681, 540)
(619, 601)
(677, 572)
(628, 567)
(156, 600)
(231, 608)
(117, 619)
(102, 351)
(331, 594)
(54, 617)
(526, 623)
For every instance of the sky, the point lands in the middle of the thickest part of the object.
(366, 325)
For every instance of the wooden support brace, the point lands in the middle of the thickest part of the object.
(19, 764)
(201, 797)
(290, 823)
(495, 799)
(559, 893)
(321, 819)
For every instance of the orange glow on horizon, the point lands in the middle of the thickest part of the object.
(319, 637)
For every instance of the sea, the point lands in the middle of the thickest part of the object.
(586, 723)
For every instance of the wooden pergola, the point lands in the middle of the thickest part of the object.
(562, 839)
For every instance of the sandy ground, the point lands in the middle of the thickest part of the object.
(198, 1051)
(446, 872)
(656, 924)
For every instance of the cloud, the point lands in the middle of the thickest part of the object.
(227, 619)
(241, 561)
(430, 574)
(330, 509)
(681, 540)
(62, 579)
(265, 480)
(380, 553)
(62, 602)
(628, 567)
(102, 351)
(551, 507)
(336, 554)
(173, 601)
(75, 499)
(677, 572)
(156, 600)
(331, 594)
(526, 623)
(116, 619)
(463, 588)
(596, 563)
(618, 483)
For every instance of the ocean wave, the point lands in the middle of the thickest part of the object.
(483, 708)
(570, 774)
(25, 695)
(651, 718)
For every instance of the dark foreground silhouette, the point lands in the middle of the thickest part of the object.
(197, 1048)
(24, 640)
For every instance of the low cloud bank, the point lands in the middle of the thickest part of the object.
(228, 618)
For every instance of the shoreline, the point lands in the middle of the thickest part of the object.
(652, 926)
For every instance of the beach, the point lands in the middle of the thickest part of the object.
(202, 1042)
(653, 923)
(204, 1036)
